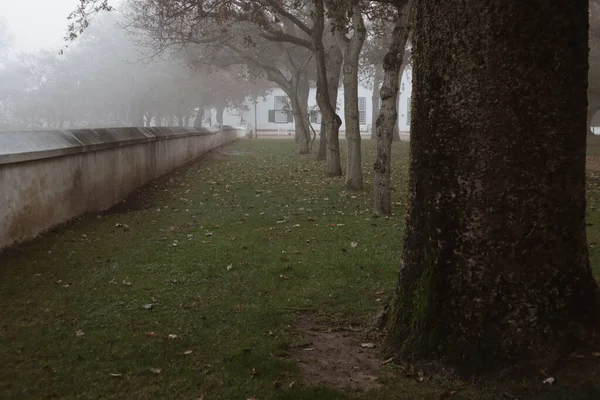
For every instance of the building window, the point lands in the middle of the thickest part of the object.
(408, 111)
(362, 110)
(282, 110)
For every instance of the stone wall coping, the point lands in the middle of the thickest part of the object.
(23, 146)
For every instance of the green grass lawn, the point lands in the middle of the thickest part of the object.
(223, 254)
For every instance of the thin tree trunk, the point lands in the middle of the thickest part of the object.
(375, 99)
(299, 102)
(396, 135)
(388, 116)
(332, 121)
(495, 267)
(334, 64)
(199, 116)
(139, 118)
(351, 51)
(220, 111)
(592, 110)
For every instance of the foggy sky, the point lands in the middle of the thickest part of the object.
(37, 24)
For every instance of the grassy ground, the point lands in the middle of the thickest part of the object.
(223, 255)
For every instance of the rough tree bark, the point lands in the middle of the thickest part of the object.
(495, 267)
(375, 99)
(351, 51)
(332, 121)
(388, 116)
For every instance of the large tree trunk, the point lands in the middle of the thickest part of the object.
(333, 166)
(388, 116)
(375, 99)
(351, 51)
(495, 263)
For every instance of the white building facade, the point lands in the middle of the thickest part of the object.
(272, 115)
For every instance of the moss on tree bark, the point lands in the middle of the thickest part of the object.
(495, 264)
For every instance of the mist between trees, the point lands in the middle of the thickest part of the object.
(165, 63)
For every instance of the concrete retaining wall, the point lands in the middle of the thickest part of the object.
(50, 177)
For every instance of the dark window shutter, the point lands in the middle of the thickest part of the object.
(290, 116)
(271, 115)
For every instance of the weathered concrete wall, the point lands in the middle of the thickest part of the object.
(50, 177)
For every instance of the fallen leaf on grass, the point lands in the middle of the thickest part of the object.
(187, 352)
(125, 282)
(156, 370)
(79, 333)
(172, 336)
(368, 345)
(115, 374)
(229, 267)
(353, 244)
(255, 373)
(548, 381)
(148, 306)
(124, 226)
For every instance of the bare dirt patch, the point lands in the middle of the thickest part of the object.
(336, 357)
(219, 153)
